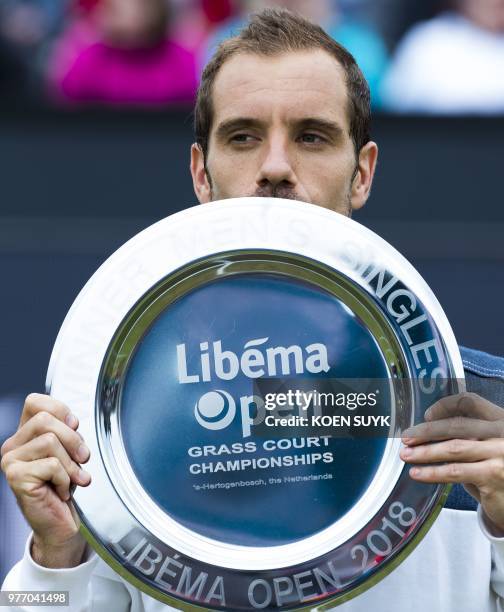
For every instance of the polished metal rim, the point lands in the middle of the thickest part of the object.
(171, 259)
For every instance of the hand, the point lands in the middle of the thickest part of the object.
(469, 449)
(41, 463)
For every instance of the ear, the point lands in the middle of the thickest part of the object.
(202, 187)
(361, 186)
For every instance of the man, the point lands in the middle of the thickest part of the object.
(430, 67)
(283, 111)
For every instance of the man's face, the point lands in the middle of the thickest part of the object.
(281, 128)
(131, 23)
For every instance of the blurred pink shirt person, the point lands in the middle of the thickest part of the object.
(118, 53)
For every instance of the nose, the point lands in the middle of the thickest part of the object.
(276, 169)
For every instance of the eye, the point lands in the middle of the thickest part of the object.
(242, 139)
(310, 138)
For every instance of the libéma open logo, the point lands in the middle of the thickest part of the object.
(216, 409)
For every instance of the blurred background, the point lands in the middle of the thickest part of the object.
(96, 124)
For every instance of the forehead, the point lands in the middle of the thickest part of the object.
(287, 86)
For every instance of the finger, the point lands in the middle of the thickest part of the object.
(44, 446)
(457, 427)
(474, 491)
(477, 474)
(42, 423)
(25, 478)
(468, 405)
(463, 451)
(36, 402)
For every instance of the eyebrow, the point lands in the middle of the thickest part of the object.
(239, 123)
(244, 123)
(317, 123)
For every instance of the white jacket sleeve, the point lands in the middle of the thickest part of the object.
(497, 574)
(27, 575)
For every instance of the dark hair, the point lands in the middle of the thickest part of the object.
(273, 32)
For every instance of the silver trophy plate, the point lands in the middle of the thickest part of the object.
(194, 358)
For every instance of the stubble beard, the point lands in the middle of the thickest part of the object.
(286, 193)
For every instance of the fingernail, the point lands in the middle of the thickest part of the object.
(407, 440)
(82, 453)
(427, 414)
(406, 452)
(84, 476)
(415, 471)
(71, 420)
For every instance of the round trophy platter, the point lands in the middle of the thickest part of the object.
(242, 372)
